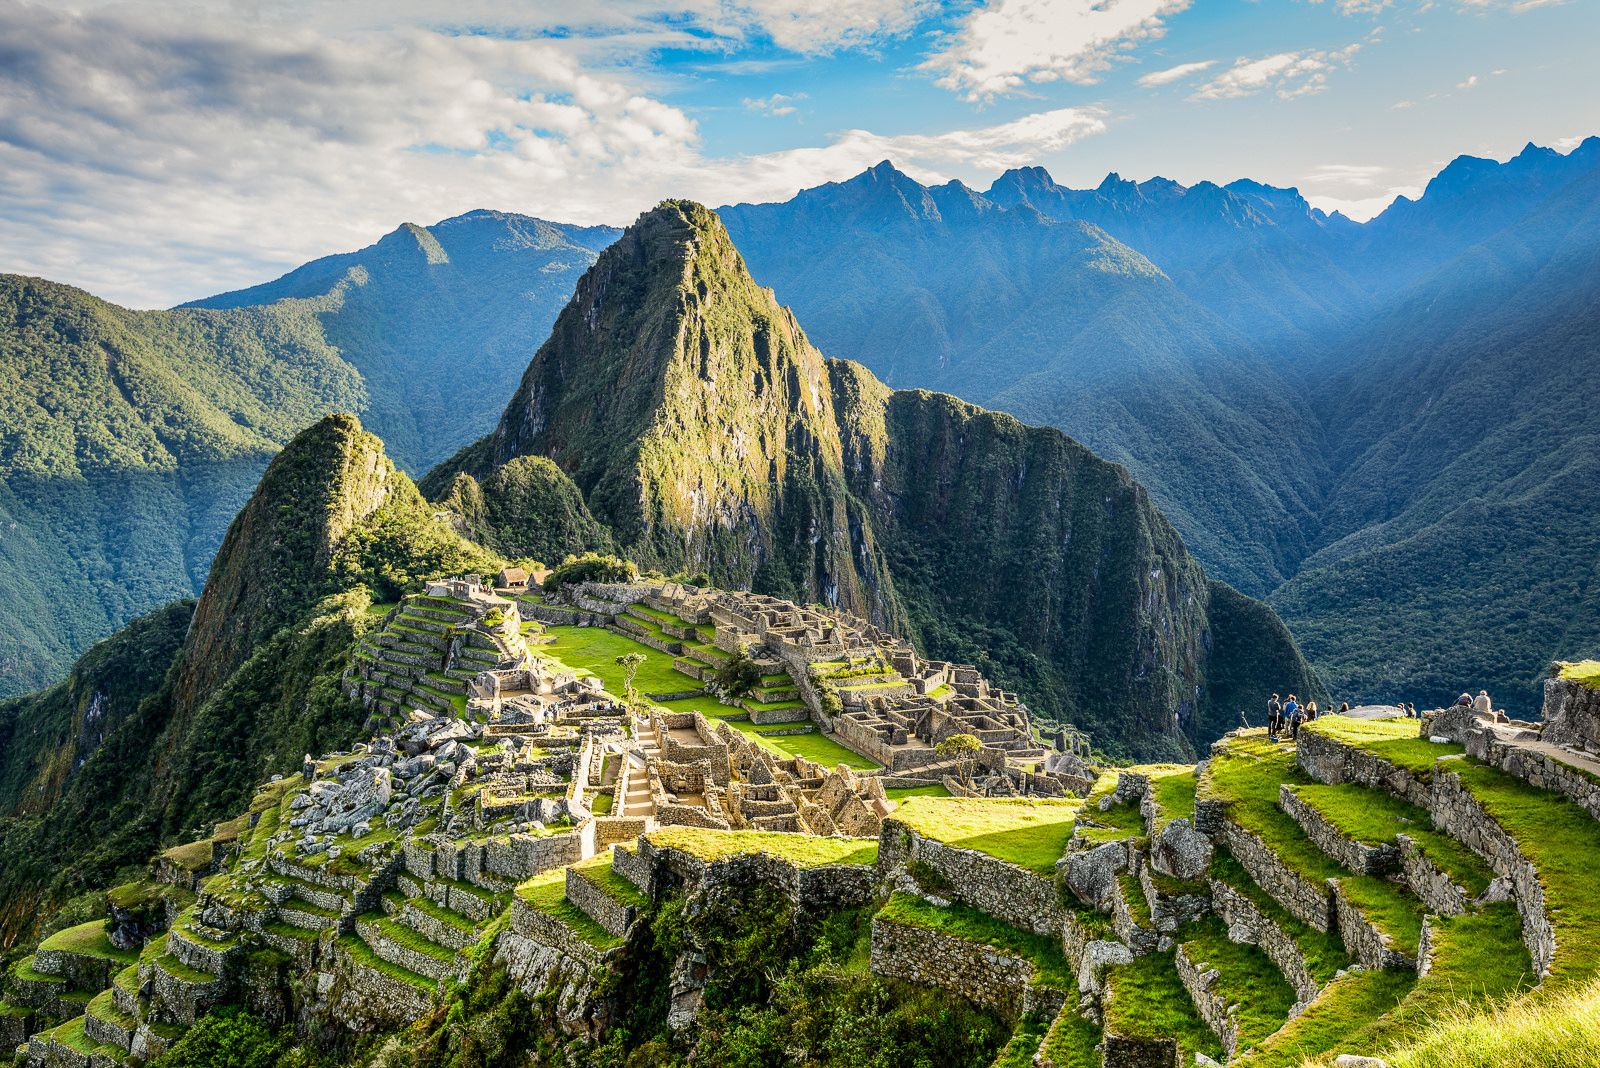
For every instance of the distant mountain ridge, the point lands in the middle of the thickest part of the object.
(702, 427)
(1262, 378)
(132, 438)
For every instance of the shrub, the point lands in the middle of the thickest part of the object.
(591, 567)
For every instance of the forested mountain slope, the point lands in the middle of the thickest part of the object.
(132, 438)
(708, 434)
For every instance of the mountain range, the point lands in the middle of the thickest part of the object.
(1381, 428)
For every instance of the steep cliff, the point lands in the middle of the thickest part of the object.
(708, 434)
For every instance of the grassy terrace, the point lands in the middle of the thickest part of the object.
(1030, 833)
(598, 870)
(1113, 824)
(1323, 953)
(1395, 740)
(362, 954)
(802, 850)
(1247, 978)
(1173, 788)
(88, 940)
(963, 922)
(1246, 774)
(1563, 842)
(1376, 818)
(1350, 1003)
(1584, 672)
(1148, 1000)
(548, 894)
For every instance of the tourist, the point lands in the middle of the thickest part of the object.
(1291, 714)
(1274, 717)
(1344, 708)
(1311, 711)
(1482, 705)
(1411, 710)
(1465, 700)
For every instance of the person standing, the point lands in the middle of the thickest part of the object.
(1291, 714)
(1274, 717)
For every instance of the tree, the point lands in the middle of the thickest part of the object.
(964, 749)
(630, 664)
(738, 675)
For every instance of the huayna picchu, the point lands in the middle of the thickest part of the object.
(725, 707)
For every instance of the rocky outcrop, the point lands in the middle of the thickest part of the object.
(1572, 714)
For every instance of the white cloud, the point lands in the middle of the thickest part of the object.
(1289, 74)
(1361, 208)
(156, 160)
(1470, 83)
(1508, 5)
(1360, 7)
(1004, 46)
(1173, 74)
(777, 104)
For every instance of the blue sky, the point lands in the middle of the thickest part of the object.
(157, 151)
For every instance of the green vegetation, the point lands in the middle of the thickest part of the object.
(548, 894)
(1389, 907)
(933, 789)
(594, 651)
(528, 507)
(1345, 1006)
(1248, 979)
(599, 871)
(961, 921)
(1030, 833)
(1561, 841)
(88, 940)
(802, 850)
(1395, 740)
(1148, 1000)
(590, 567)
(1536, 1030)
(1584, 672)
(1173, 787)
(1323, 951)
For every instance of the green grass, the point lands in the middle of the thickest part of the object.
(933, 789)
(817, 746)
(1023, 1044)
(1148, 1000)
(104, 1008)
(443, 915)
(415, 941)
(1563, 842)
(25, 971)
(802, 850)
(191, 856)
(598, 870)
(1389, 907)
(548, 894)
(1350, 1003)
(1133, 894)
(1478, 959)
(1030, 833)
(964, 922)
(1071, 1040)
(173, 966)
(1395, 740)
(362, 954)
(1173, 789)
(1369, 817)
(601, 803)
(1584, 672)
(1537, 1030)
(1246, 774)
(71, 1035)
(88, 940)
(1247, 978)
(1323, 952)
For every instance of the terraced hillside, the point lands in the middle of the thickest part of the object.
(1372, 889)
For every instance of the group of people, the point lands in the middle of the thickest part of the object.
(1288, 715)
(1480, 705)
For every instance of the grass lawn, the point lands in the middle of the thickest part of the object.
(1030, 833)
(598, 871)
(967, 923)
(1563, 842)
(1148, 1000)
(1395, 740)
(1324, 953)
(88, 940)
(548, 894)
(803, 850)
(1247, 978)
(1351, 1002)
(1173, 787)
(1536, 1030)
(1584, 672)
(593, 651)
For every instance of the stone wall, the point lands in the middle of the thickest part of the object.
(814, 890)
(1020, 897)
(1538, 768)
(601, 907)
(1571, 714)
(980, 973)
(1328, 761)
(1358, 857)
(1209, 1001)
(1433, 887)
(1458, 813)
(1248, 924)
(1363, 941)
(1309, 902)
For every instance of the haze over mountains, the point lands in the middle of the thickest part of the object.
(1384, 428)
